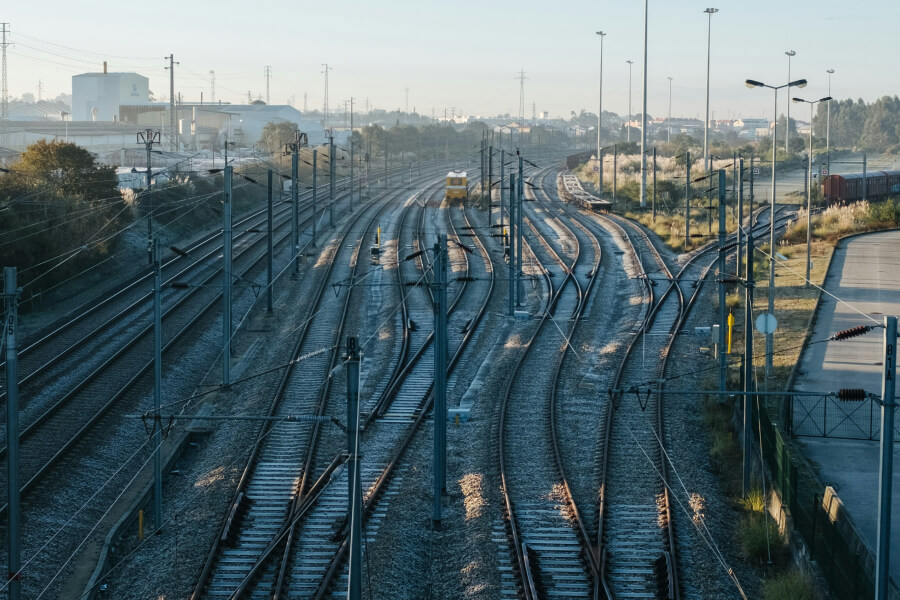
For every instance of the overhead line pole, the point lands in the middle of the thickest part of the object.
(886, 462)
(644, 118)
(157, 387)
(354, 482)
(11, 294)
(226, 282)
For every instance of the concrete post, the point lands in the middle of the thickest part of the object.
(512, 237)
(519, 198)
(722, 312)
(315, 194)
(440, 375)
(886, 464)
(354, 483)
(295, 210)
(748, 364)
(157, 387)
(226, 282)
(740, 228)
(11, 300)
(687, 200)
(269, 266)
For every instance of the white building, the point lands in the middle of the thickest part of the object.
(97, 96)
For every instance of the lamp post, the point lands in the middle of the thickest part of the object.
(809, 180)
(709, 13)
(600, 115)
(752, 84)
(628, 125)
(644, 118)
(828, 124)
(787, 122)
(669, 121)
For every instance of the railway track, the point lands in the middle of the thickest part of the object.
(549, 537)
(124, 368)
(278, 470)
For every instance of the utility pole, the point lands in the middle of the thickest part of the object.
(173, 132)
(293, 148)
(865, 189)
(512, 237)
(628, 126)
(440, 375)
(269, 278)
(315, 196)
(354, 482)
(520, 181)
(351, 154)
(654, 184)
(615, 170)
(669, 121)
(521, 79)
(325, 109)
(226, 282)
(331, 172)
(723, 383)
(11, 295)
(490, 204)
(740, 228)
(886, 464)
(157, 387)
(148, 138)
(644, 119)
(748, 365)
(4, 99)
(267, 71)
(687, 199)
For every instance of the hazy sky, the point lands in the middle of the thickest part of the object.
(465, 54)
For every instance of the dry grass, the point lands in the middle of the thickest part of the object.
(794, 304)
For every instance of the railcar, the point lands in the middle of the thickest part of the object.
(849, 187)
(457, 187)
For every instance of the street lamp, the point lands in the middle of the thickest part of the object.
(709, 12)
(809, 180)
(600, 114)
(787, 122)
(828, 124)
(628, 125)
(752, 84)
(669, 121)
(644, 117)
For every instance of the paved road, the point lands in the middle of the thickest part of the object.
(866, 276)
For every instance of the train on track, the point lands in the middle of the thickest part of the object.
(457, 186)
(850, 187)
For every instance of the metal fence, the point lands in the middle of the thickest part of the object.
(802, 492)
(826, 416)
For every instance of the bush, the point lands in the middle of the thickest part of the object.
(760, 538)
(755, 502)
(790, 585)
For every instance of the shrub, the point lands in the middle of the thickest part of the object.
(790, 585)
(760, 538)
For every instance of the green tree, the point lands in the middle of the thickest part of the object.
(58, 206)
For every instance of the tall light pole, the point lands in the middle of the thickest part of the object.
(809, 180)
(709, 13)
(669, 120)
(828, 124)
(644, 120)
(751, 84)
(628, 125)
(787, 122)
(600, 108)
